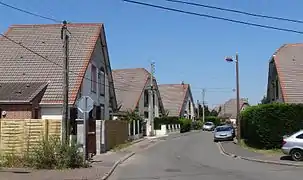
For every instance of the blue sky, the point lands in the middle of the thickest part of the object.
(184, 47)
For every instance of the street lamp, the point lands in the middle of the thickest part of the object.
(230, 59)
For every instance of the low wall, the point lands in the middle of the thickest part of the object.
(22, 135)
(166, 129)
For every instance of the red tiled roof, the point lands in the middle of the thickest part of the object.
(173, 97)
(288, 60)
(129, 85)
(19, 65)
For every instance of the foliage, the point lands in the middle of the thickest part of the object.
(265, 100)
(185, 125)
(213, 119)
(158, 121)
(132, 116)
(197, 125)
(206, 110)
(213, 113)
(49, 154)
(263, 126)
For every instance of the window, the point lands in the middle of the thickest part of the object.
(189, 106)
(145, 114)
(98, 114)
(101, 76)
(94, 79)
(145, 98)
(154, 100)
(277, 88)
(102, 112)
(300, 136)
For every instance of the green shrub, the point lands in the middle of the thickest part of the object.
(49, 154)
(263, 126)
(185, 125)
(197, 125)
(158, 121)
(213, 119)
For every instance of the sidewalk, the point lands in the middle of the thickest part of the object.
(102, 164)
(232, 149)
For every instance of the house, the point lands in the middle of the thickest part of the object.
(31, 71)
(178, 100)
(21, 100)
(285, 78)
(132, 92)
(229, 109)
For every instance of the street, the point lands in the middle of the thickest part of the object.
(196, 157)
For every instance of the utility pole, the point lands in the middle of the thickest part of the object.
(203, 109)
(64, 122)
(198, 113)
(151, 100)
(238, 99)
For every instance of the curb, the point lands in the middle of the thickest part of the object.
(222, 150)
(124, 158)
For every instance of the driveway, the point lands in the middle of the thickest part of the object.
(196, 157)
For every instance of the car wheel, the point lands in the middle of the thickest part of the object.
(297, 155)
(215, 140)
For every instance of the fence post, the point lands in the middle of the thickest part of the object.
(46, 129)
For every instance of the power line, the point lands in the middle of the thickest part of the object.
(30, 13)
(28, 49)
(214, 17)
(236, 11)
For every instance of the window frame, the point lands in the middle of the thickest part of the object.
(93, 78)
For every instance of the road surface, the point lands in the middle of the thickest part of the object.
(197, 157)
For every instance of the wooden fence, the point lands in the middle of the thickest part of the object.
(116, 132)
(22, 135)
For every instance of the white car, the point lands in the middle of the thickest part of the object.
(293, 145)
(208, 126)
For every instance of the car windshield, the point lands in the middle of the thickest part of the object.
(223, 129)
(208, 124)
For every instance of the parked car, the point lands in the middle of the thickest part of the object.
(293, 145)
(224, 132)
(208, 126)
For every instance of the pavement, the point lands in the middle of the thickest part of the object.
(195, 157)
(234, 150)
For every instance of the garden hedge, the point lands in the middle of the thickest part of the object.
(158, 121)
(185, 124)
(263, 126)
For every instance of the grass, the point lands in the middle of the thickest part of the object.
(261, 151)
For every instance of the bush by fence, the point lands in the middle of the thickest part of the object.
(19, 135)
(197, 125)
(49, 153)
(263, 126)
(185, 125)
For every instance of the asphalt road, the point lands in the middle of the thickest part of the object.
(196, 157)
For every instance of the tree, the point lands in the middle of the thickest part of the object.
(265, 100)
(206, 110)
(213, 113)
